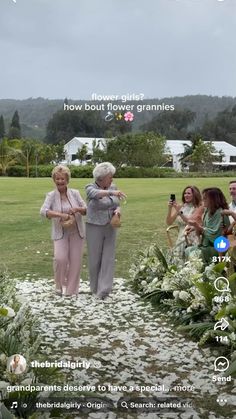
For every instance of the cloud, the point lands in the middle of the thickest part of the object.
(160, 47)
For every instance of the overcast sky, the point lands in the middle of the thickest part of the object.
(160, 48)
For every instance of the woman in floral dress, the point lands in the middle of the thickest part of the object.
(180, 214)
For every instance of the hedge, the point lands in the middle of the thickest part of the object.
(122, 172)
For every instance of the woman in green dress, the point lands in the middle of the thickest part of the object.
(215, 223)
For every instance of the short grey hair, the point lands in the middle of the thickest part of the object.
(103, 169)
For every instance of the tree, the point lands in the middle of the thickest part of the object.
(64, 125)
(204, 154)
(172, 124)
(189, 149)
(222, 127)
(99, 151)
(116, 127)
(15, 129)
(144, 150)
(82, 153)
(8, 156)
(27, 150)
(2, 127)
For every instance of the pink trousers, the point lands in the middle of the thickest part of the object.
(67, 262)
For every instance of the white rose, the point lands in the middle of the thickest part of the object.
(176, 294)
(183, 295)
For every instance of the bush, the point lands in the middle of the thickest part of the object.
(20, 171)
(144, 172)
(82, 171)
(122, 172)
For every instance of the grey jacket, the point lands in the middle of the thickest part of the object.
(53, 203)
(100, 210)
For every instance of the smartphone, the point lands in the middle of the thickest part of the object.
(172, 197)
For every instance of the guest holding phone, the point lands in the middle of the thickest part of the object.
(215, 223)
(189, 209)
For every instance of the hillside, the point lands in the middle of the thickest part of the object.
(35, 113)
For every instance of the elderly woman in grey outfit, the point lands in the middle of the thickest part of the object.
(103, 202)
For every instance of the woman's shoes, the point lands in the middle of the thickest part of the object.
(62, 293)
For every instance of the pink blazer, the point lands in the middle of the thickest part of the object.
(53, 203)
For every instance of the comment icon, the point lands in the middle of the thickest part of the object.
(221, 284)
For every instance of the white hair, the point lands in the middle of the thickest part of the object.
(103, 169)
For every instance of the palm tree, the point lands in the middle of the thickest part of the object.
(189, 149)
(8, 156)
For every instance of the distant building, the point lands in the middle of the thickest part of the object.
(175, 148)
(73, 146)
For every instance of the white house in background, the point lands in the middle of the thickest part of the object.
(73, 146)
(175, 148)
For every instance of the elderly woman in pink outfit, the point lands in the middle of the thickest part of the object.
(65, 208)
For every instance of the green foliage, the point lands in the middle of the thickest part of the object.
(10, 344)
(232, 283)
(223, 126)
(3, 311)
(144, 150)
(82, 171)
(232, 369)
(203, 156)
(8, 156)
(219, 267)
(82, 153)
(197, 330)
(117, 127)
(172, 124)
(2, 127)
(161, 257)
(64, 125)
(144, 172)
(15, 129)
(23, 397)
(35, 113)
(207, 289)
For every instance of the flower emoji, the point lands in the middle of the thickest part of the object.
(128, 116)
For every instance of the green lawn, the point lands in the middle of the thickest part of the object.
(24, 234)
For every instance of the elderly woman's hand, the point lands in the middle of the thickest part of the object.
(80, 210)
(119, 194)
(117, 211)
(64, 216)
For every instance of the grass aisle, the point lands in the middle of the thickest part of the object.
(126, 343)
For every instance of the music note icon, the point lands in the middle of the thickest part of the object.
(14, 405)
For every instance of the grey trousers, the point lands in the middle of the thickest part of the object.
(101, 257)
